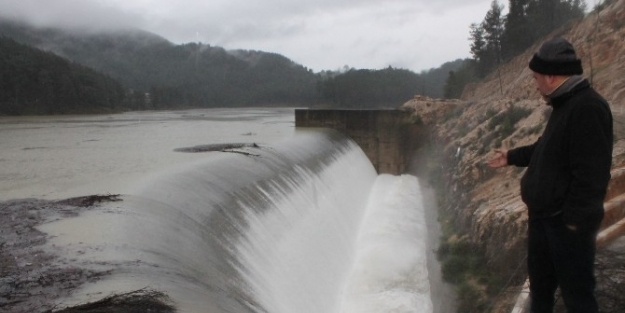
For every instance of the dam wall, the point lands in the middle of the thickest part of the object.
(387, 137)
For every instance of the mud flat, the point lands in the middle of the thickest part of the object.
(33, 278)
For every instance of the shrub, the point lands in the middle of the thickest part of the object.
(510, 117)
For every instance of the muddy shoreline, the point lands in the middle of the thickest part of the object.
(34, 279)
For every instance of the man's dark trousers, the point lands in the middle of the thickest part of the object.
(558, 256)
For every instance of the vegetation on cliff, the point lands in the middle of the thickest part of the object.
(499, 38)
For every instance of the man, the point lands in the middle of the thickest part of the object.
(568, 169)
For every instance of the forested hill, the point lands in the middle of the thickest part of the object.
(157, 74)
(190, 75)
(386, 87)
(37, 82)
(111, 53)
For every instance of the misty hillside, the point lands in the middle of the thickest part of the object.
(193, 75)
(200, 75)
(37, 82)
(111, 53)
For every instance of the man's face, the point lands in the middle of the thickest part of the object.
(543, 83)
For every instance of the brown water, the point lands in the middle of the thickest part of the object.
(53, 157)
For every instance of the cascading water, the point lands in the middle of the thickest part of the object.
(390, 270)
(303, 226)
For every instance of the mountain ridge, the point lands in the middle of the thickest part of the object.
(197, 75)
(189, 75)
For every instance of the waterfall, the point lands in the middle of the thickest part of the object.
(301, 226)
(390, 270)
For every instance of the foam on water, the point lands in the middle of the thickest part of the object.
(390, 267)
(296, 256)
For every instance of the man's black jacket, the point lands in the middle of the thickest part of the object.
(569, 165)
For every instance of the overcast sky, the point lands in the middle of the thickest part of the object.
(319, 34)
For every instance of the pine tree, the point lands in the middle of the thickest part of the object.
(478, 48)
(516, 36)
(493, 29)
(498, 38)
(486, 46)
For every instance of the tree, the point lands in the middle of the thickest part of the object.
(486, 40)
(38, 82)
(498, 38)
(516, 36)
(457, 80)
(542, 16)
(478, 43)
(493, 26)
(369, 88)
(546, 15)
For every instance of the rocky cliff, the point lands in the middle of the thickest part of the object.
(505, 110)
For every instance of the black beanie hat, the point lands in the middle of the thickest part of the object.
(556, 57)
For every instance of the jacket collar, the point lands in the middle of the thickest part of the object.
(563, 97)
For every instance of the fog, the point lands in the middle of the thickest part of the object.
(321, 35)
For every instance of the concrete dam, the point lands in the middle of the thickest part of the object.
(387, 137)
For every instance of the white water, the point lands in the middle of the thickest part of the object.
(296, 256)
(305, 226)
(390, 270)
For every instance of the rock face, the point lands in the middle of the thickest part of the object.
(505, 111)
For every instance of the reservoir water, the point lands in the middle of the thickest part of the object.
(284, 221)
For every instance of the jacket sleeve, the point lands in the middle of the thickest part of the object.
(521, 156)
(590, 157)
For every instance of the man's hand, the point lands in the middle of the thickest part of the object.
(500, 159)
